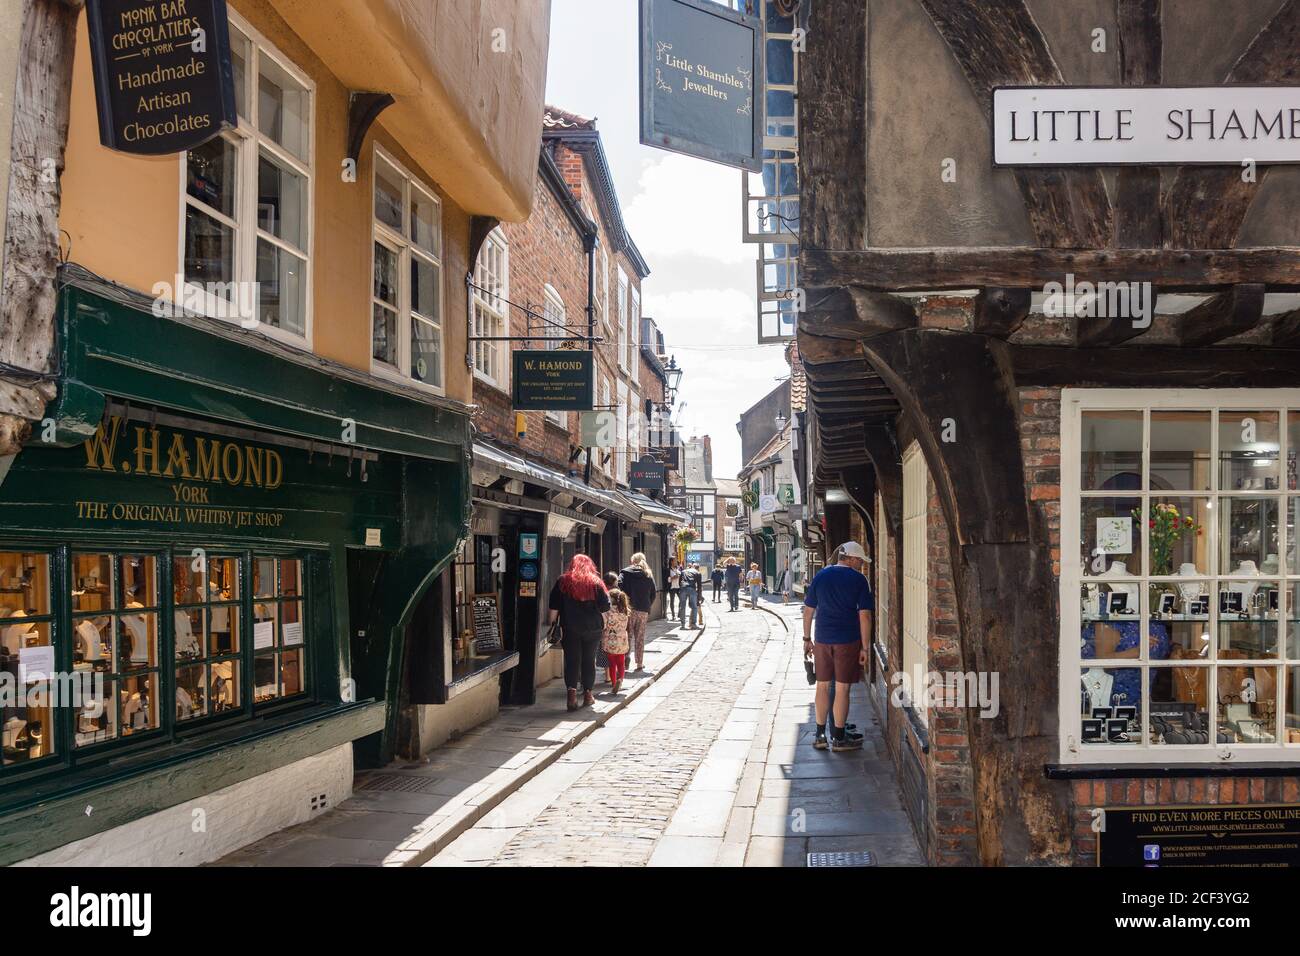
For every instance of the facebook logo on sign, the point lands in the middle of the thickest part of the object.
(1151, 852)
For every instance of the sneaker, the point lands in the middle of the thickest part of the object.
(819, 742)
(848, 742)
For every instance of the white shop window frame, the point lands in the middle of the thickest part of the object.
(1071, 662)
(622, 319)
(916, 581)
(248, 140)
(406, 249)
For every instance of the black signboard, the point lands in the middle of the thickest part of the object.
(559, 380)
(699, 64)
(646, 475)
(163, 77)
(669, 455)
(487, 624)
(1235, 836)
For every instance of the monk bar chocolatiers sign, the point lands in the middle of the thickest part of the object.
(1235, 836)
(559, 380)
(163, 77)
(1165, 125)
(699, 65)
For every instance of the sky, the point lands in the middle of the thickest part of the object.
(684, 215)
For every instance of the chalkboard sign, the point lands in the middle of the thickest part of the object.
(487, 624)
(164, 82)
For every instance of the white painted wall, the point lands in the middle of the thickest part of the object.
(231, 818)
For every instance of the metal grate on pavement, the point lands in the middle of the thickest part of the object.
(855, 858)
(398, 782)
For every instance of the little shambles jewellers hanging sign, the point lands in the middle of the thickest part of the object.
(163, 76)
(559, 380)
(699, 64)
(1237, 836)
(1157, 125)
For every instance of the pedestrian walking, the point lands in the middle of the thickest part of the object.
(787, 585)
(755, 581)
(839, 598)
(602, 659)
(716, 577)
(674, 586)
(615, 637)
(731, 577)
(579, 601)
(638, 584)
(690, 596)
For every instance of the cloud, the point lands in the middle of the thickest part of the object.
(685, 206)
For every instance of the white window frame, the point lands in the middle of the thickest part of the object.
(916, 582)
(634, 333)
(1071, 662)
(406, 250)
(607, 460)
(495, 305)
(603, 286)
(553, 311)
(620, 441)
(622, 319)
(248, 141)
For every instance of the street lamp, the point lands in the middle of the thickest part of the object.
(673, 377)
(781, 421)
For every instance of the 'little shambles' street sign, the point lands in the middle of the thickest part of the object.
(163, 78)
(559, 380)
(699, 64)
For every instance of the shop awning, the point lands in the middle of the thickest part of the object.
(498, 462)
(653, 511)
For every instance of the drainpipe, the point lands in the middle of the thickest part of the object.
(589, 247)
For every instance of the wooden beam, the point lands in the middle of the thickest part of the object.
(1285, 329)
(833, 127)
(1222, 316)
(999, 44)
(999, 312)
(1138, 220)
(882, 451)
(1188, 270)
(1206, 205)
(28, 291)
(1105, 331)
(819, 350)
(854, 313)
(1155, 367)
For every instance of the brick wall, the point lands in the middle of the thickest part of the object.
(951, 805)
(544, 250)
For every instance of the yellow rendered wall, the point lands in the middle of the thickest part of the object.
(122, 213)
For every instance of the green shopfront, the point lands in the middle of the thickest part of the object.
(226, 542)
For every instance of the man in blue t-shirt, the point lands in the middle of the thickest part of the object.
(840, 598)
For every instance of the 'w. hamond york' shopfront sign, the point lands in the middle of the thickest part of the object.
(1064, 126)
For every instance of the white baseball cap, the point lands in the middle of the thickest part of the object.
(851, 549)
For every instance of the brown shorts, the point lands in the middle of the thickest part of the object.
(838, 662)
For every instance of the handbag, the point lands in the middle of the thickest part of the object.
(555, 634)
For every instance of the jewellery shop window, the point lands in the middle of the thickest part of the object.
(478, 641)
(26, 661)
(1184, 585)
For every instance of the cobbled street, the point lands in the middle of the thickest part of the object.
(712, 766)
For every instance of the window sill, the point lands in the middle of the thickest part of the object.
(490, 668)
(1075, 771)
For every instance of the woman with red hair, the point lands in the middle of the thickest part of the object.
(580, 600)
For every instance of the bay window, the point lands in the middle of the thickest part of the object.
(1180, 586)
(246, 229)
(406, 292)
